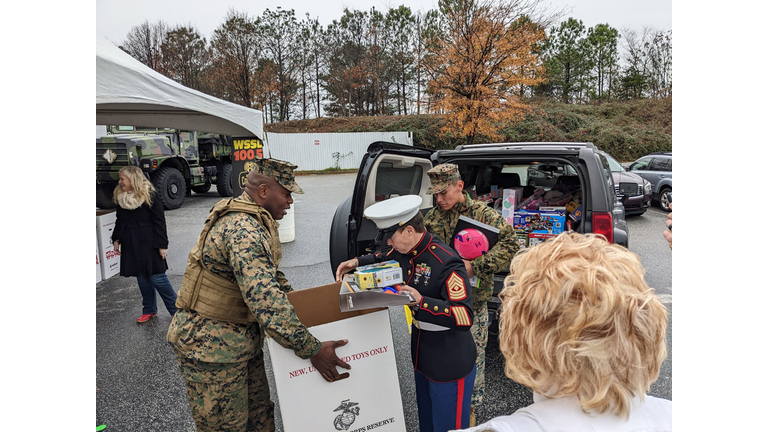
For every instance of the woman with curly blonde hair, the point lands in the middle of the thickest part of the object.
(141, 240)
(581, 328)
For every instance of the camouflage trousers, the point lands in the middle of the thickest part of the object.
(479, 332)
(228, 396)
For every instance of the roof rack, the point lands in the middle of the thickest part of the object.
(533, 143)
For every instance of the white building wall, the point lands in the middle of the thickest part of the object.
(319, 151)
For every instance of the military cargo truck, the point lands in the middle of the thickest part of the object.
(177, 162)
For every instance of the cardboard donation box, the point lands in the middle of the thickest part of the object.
(98, 261)
(368, 399)
(110, 261)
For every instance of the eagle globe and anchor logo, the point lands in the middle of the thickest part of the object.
(243, 177)
(347, 416)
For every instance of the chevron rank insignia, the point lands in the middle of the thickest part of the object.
(456, 289)
(461, 315)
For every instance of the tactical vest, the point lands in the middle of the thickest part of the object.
(209, 294)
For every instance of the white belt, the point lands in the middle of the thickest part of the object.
(428, 326)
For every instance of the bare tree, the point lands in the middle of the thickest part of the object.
(281, 32)
(144, 43)
(185, 56)
(649, 56)
(236, 54)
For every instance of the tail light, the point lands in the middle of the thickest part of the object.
(602, 223)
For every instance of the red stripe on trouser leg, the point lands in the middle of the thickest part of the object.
(459, 401)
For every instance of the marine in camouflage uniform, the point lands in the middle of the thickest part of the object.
(445, 180)
(232, 295)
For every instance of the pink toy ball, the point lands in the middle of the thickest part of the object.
(470, 243)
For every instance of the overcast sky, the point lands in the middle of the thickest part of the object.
(115, 18)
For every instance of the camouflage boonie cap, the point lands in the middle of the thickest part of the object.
(279, 170)
(441, 176)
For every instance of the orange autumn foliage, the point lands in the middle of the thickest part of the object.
(486, 51)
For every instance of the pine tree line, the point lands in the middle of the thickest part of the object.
(474, 61)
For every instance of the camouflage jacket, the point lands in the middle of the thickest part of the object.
(442, 223)
(238, 249)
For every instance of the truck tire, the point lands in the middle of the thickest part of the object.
(171, 187)
(201, 189)
(104, 197)
(339, 236)
(224, 181)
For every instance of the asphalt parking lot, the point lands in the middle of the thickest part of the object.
(139, 387)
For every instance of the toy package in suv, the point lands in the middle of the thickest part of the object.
(522, 239)
(537, 221)
(509, 202)
(537, 238)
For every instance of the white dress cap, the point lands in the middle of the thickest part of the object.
(394, 211)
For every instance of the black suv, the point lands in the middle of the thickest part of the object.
(389, 170)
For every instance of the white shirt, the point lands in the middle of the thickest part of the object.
(565, 414)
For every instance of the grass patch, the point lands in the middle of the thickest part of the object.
(626, 130)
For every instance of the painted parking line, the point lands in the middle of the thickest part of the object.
(665, 298)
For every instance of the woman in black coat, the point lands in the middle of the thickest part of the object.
(141, 240)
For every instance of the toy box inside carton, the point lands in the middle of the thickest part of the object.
(369, 397)
(110, 261)
(537, 221)
(379, 275)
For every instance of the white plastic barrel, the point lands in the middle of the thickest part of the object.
(287, 229)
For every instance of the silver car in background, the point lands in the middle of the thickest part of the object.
(657, 169)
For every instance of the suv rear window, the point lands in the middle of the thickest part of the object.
(660, 164)
(555, 184)
(392, 182)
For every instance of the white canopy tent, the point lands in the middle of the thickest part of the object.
(130, 93)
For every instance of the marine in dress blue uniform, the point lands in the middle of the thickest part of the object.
(442, 349)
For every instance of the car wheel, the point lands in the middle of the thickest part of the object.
(665, 199)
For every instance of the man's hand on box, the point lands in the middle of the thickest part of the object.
(326, 360)
(345, 268)
(116, 247)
